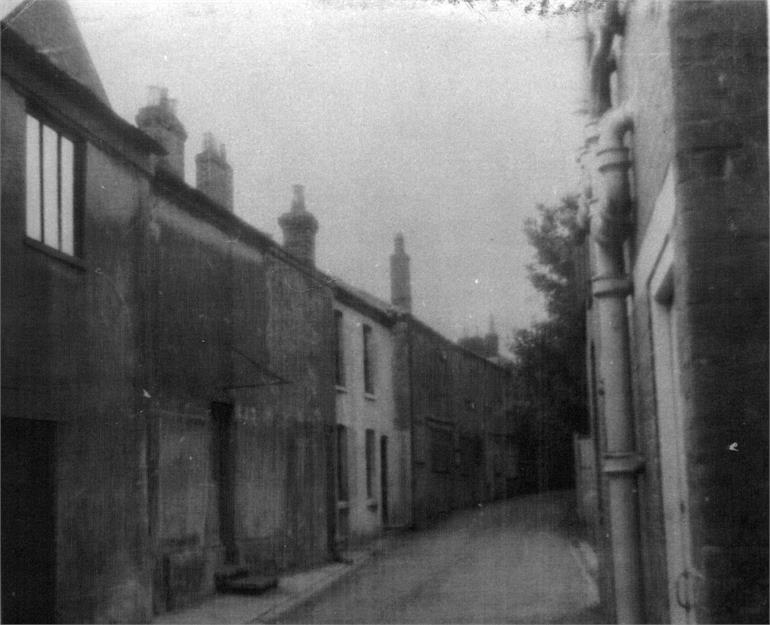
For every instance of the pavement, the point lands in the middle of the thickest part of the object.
(292, 591)
(506, 562)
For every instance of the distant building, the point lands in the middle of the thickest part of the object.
(674, 475)
(459, 407)
(487, 346)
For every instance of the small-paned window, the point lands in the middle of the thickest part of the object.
(50, 187)
(342, 463)
(368, 361)
(370, 463)
(339, 350)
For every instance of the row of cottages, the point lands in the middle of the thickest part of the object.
(182, 397)
(674, 476)
(423, 426)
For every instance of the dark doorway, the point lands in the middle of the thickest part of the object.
(384, 478)
(28, 521)
(223, 475)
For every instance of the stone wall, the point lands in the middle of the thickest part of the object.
(719, 53)
(235, 326)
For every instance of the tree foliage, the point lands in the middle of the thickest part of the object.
(549, 355)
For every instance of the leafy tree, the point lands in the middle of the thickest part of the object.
(550, 355)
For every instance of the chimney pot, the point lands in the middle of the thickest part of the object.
(298, 199)
(492, 340)
(208, 142)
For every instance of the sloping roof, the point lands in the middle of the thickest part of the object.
(50, 28)
(363, 301)
(367, 298)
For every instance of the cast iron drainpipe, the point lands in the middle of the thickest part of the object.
(610, 287)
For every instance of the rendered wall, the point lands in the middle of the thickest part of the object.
(70, 355)
(359, 411)
(234, 325)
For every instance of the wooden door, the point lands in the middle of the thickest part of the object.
(28, 521)
(384, 479)
(224, 475)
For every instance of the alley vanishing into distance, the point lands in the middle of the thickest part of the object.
(513, 561)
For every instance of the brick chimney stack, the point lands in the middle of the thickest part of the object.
(158, 119)
(213, 174)
(492, 340)
(400, 281)
(299, 228)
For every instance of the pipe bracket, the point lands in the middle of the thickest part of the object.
(611, 286)
(622, 463)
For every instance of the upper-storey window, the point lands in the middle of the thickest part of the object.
(368, 361)
(339, 350)
(50, 185)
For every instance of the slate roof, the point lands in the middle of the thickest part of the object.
(50, 28)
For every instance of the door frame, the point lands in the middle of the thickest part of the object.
(223, 473)
(671, 437)
(384, 501)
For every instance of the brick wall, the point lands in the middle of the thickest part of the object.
(719, 55)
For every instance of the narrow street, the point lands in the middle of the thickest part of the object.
(508, 562)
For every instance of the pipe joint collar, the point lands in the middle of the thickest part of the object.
(613, 158)
(591, 133)
(611, 286)
(622, 463)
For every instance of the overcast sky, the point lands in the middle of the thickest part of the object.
(446, 122)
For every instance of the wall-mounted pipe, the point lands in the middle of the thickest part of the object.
(612, 164)
(609, 225)
(602, 63)
(586, 160)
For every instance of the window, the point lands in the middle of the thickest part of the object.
(339, 350)
(368, 361)
(369, 464)
(342, 463)
(50, 185)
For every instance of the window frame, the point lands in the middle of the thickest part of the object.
(343, 473)
(339, 349)
(39, 240)
(370, 441)
(368, 359)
